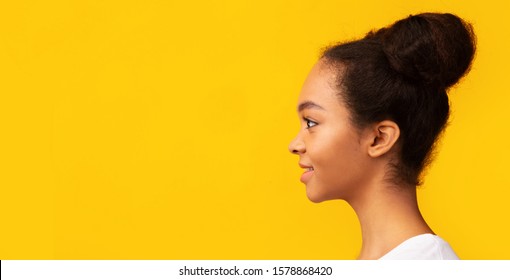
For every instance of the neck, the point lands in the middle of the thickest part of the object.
(388, 216)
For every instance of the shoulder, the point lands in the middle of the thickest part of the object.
(422, 247)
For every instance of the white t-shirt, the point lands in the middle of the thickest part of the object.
(422, 247)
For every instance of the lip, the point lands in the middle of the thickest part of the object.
(305, 177)
(305, 166)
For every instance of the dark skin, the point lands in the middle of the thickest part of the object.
(344, 162)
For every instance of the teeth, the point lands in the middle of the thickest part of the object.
(310, 169)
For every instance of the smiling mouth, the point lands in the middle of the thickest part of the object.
(305, 177)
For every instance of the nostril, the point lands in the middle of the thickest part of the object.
(296, 146)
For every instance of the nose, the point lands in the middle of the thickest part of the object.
(297, 146)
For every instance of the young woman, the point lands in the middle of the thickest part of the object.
(371, 111)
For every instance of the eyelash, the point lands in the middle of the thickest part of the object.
(308, 121)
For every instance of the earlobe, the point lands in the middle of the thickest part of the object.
(384, 136)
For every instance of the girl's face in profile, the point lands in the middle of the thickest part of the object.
(327, 144)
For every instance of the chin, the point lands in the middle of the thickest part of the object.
(315, 196)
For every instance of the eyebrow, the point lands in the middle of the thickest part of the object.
(309, 105)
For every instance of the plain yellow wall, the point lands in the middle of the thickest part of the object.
(159, 130)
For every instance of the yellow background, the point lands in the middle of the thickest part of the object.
(159, 130)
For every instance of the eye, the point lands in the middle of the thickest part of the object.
(310, 123)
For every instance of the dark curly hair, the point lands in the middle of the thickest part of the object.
(402, 73)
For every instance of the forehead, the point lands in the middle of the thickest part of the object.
(319, 86)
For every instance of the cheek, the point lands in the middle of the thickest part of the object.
(337, 161)
(333, 147)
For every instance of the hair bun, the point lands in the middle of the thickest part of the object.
(436, 49)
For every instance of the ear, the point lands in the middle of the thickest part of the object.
(383, 137)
